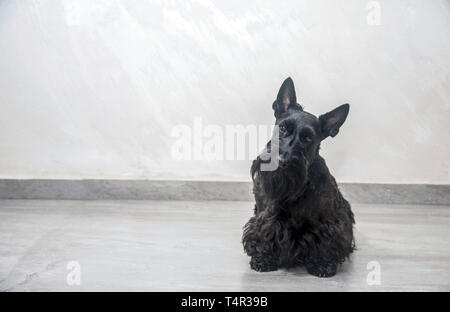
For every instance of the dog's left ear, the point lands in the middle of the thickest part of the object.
(286, 98)
(332, 121)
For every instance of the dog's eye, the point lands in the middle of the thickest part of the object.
(306, 138)
(283, 130)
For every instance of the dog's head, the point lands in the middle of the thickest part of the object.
(298, 133)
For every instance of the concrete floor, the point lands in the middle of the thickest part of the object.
(195, 246)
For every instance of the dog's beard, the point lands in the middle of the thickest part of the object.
(286, 184)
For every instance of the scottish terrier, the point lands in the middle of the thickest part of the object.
(300, 216)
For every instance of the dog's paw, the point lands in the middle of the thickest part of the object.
(260, 266)
(325, 270)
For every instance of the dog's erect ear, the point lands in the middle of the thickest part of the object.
(286, 97)
(332, 121)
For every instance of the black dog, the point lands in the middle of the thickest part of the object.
(300, 217)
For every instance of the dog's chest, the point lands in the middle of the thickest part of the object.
(296, 223)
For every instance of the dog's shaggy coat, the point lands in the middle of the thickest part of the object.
(300, 216)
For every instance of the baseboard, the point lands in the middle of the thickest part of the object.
(207, 190)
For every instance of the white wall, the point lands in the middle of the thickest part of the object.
(92, 89)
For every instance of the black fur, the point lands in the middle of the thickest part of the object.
(300, 216)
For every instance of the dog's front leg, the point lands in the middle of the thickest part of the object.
(263, 263)
(328, 253)
(336, 244)
(322, 269)
(262, 260)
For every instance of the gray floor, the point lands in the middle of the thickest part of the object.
(195, 246)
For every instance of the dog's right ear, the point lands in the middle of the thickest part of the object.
(286, 98)
(332, 121)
